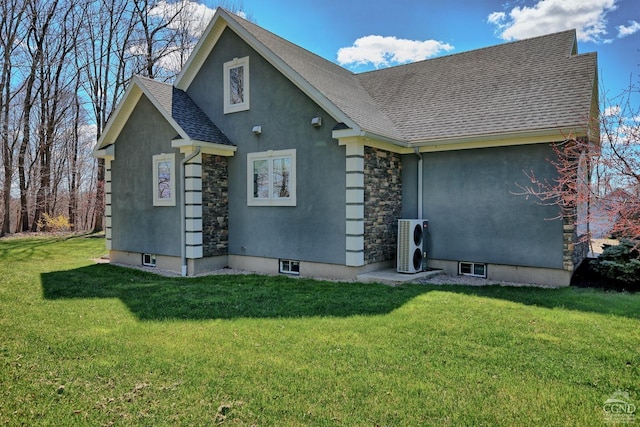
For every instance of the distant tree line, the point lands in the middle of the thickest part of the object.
(65, 65)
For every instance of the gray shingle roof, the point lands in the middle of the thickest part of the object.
(518, 87)
(514, 87)
(185, 112)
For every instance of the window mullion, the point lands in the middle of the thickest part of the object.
(271, 180)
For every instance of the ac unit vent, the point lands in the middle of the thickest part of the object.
(410, 244)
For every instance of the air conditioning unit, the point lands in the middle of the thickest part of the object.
(410, 244)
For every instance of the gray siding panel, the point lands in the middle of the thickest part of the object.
(314, 230)
(138, 226)
(473, 212)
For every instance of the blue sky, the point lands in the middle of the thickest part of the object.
(408, 30)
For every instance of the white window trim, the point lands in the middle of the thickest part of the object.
(236, 62)
(169, 201)
(289, 266)
(270, 155)
(148, 260)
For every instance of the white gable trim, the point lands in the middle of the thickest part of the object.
(207, 42)
(123, 112)
(119, 118)
(201, 52)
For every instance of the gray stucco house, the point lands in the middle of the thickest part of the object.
(266, 157)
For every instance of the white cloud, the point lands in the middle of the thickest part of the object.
(611, 111)
(192, 16)
(588, 17)
(632, 28)
(190, 19)
(174, 61)
(384, 51)
(496, 18)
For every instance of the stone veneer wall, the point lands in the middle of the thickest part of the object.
(215, 205)
(382, 204)
(576, 247)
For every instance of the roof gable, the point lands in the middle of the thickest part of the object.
(188, 120)
(334, 88)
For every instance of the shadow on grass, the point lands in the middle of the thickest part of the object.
(153, 297)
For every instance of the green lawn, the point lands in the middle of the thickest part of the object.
(86, 344)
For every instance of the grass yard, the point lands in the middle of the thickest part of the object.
(86, 344)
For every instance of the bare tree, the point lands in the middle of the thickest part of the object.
(11, 28)
(34, 45)
(155, 38)
(65, 66)
(108, 29)
(604, 175)
(619, 164)
(54, 98)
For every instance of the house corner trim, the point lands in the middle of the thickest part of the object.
(354, 203)
(193, 206)
(108, 225)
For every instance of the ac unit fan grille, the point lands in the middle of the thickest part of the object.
(410, 239)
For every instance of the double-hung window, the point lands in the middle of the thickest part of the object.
(164, 188)
(271, 178)
(236, 85)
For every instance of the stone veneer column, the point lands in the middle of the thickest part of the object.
(355, 204)
(574, 248)
(382, 204)
(215, 205)
(193, 206)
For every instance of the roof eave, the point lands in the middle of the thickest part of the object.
(290, 73)
(189, 145)
(359, 133)
(500, 139)
(497, 139)
(107, 153)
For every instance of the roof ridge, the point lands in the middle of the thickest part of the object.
(476, 50)
(140, 76)
(246, 21)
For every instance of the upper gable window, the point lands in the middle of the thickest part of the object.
(164, 180)
(236, 85)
